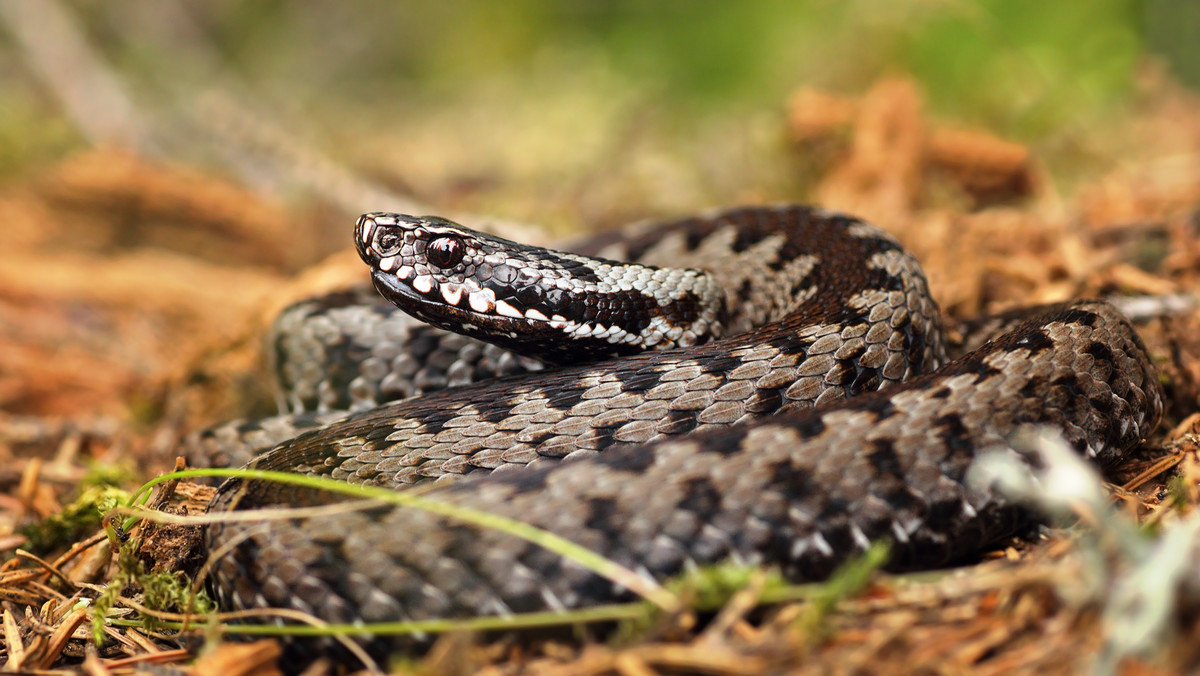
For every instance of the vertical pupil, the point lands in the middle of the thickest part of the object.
(445, 251)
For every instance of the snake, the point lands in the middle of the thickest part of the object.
(767, 385)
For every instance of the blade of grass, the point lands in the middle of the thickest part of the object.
(647, 589)
(490, 623)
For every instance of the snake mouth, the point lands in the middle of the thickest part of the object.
(432, 308)
(403, 296)
(550, 341)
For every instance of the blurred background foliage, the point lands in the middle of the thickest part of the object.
(174, 172)
(529, 107)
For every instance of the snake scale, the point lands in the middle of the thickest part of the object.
(808, 413)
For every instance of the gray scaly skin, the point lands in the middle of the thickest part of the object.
(841, 312)
(345, 352)
(353, 350)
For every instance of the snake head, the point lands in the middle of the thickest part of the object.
(554, 306)
(438, 271)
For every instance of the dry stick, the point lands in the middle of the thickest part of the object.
(151, 658)
(21, 553)
(167, 490)
(239, 131)
(273, 613)
(61, 634)
(699, 659)
(1160, 466)
(78, 548)
(57, 613)
(127, 645)
(12, 641)
(14, 577)
(736, 609)
(92, 664)
(46, 592)
(29, 482)
(142, 640)
(57, 50)
(222, 117)
(22, 596)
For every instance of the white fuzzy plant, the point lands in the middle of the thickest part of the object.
(1138, 580)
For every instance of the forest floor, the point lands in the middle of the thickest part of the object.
(134, 294)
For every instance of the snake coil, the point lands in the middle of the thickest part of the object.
(800, 407)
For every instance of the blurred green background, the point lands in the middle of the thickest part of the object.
(534, 107)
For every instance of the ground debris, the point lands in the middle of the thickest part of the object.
(114, 347)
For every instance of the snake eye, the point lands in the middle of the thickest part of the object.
(387, 242)
(445, 251)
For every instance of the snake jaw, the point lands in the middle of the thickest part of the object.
(444, 308)
(533, 335)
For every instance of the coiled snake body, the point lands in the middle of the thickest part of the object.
(819, 417)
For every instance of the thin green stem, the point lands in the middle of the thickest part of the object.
(609, 613)
(580, 555)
